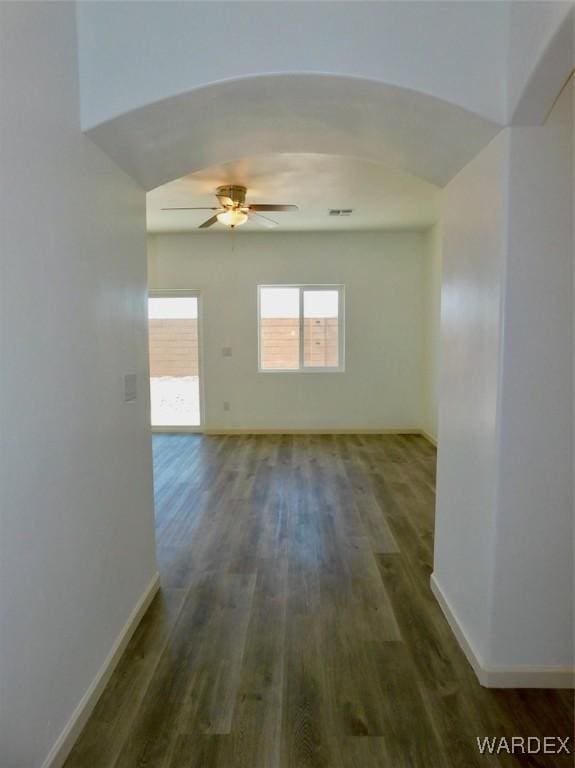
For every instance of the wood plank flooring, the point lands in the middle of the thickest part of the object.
(295, 627)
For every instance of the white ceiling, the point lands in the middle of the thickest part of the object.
(381, 197)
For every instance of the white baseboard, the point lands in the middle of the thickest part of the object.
(502, 676)
(428, 437)
(66, 740)
(291, 431)
(177, 430)
(310, 431)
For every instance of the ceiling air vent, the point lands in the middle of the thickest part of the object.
(340, 211)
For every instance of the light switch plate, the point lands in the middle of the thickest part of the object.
(130, 387)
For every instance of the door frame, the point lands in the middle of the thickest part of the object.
(166, 293)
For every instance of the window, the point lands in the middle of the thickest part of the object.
(301, 327)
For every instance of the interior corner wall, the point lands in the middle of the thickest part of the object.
(384, 278)
(471, 297)
(534, 564)
(77, 543)
(432, 328)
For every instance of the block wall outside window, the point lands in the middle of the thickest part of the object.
(321, 342)
(280, 342)
(279, 339)
(173, 347)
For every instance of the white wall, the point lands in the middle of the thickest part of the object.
(432, 324)
(540, 58)
(534, 532)
(382, 386)
(504, 530)
(135, 53)
(77, 547)
(473, 269)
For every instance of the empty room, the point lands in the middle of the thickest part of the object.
(287, 394)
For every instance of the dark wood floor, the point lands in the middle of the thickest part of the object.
(295, 627)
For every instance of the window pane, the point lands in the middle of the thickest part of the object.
(279, 328)
(174, 375)
(320, 329)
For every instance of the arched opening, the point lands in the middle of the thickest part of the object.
(329, 114)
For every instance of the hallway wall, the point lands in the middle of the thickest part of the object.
(384, 277)
(77, 537)
(534, 534)
(504, 528)
(472, 286)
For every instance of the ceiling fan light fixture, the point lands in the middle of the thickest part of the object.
(232, 218)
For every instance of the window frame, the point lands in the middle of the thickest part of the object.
(302, 287)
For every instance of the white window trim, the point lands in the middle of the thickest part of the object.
(340, 288)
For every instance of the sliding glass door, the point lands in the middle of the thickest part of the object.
(174, 359)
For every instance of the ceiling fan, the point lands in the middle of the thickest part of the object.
(233, 211)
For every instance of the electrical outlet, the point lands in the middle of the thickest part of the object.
(226, 405)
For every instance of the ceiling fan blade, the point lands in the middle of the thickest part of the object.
(208, 222)
(191, 209)
(266, 207)
(263, 220)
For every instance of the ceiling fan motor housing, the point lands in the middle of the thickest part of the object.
(233, 211)
(234, 192)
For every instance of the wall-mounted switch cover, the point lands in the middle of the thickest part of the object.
(227, 406)
(130, 387)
